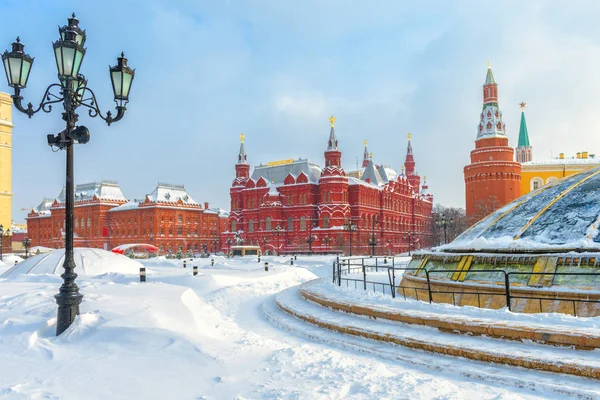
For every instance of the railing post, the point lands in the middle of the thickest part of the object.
(376, 270)
(333, 271)
(339, 267)
(428, 286)
(364, 274)
(507, 288)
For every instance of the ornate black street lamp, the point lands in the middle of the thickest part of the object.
(26, 243)
(373, 239)
(278, 229)
(2, 239)
(72, 92)
(228, 245)
(326, 239)
(350, 227)
(444, 222)
(311, 238)
(409, 236)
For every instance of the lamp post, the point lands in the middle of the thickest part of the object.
(311, 238)
(326, 239)
(72, 92)
(350, 227)
(278, 229)
(1, 241)
(444, 222)
(373, 240)
(409, 236)
(26, 243)
(228, 245)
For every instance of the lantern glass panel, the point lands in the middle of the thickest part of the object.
(68, 55)
(15, 70)
(127, 78)
(59, 59)
(6, 70)
(117, 81)
(26, 67)
(77, 63)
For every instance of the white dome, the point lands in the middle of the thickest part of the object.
(89, 262)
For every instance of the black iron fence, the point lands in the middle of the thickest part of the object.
(342, 267)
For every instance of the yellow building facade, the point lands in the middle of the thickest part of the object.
(6, 127)
(535, 174)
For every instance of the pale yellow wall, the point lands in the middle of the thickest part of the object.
(545, 173)
(5, 160)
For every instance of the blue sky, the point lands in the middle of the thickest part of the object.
(276, 70)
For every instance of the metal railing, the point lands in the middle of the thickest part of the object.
(347, 266)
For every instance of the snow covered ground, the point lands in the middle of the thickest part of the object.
(205, 337)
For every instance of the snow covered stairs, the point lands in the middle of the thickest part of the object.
(307, 303)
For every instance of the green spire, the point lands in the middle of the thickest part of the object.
(523, 136)
(489, 78)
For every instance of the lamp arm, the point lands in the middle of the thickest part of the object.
(94, 109)
(45, 105)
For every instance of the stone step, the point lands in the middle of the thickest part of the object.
(526, 355)
(580, 338)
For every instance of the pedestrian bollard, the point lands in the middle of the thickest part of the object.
(184, 264)
(385, 260)
(16, 262)
(142, 274)
(212, 261)
(195, 270)
(292, 261)
(295, 257)
(259, 258)
(266, 266)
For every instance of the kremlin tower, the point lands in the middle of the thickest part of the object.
(524, 153)
(493, 177)
(333, 209)
(409, 165)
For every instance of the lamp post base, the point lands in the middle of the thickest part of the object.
(68, 309)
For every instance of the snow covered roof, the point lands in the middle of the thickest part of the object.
(169, 193)
(561, 161)
(89, 262)
(105, 190)
(371, 175)
(44, 205)
(563, 215)
(387, 173)
(276, 174)
(127, 206)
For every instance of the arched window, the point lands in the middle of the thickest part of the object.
(290, 224)
(179, 231)
(536, 183)
(179, 218)
(303, 223)
(251, 225)
(233, 226)
(268, 224)
(326, 221)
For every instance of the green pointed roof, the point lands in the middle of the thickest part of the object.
(489, 78)
(523, 136)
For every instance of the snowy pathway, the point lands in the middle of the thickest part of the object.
(207, 337)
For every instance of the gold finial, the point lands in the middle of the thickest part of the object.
(489, 64)
(242, 137)
(403, 168)
(424, 178)
(371, 156)
(409, 136)
(522, 105)
(332, 121)
(365, 142)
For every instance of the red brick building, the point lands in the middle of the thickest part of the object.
(293, 205)
(167, 218)
(493, 178)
